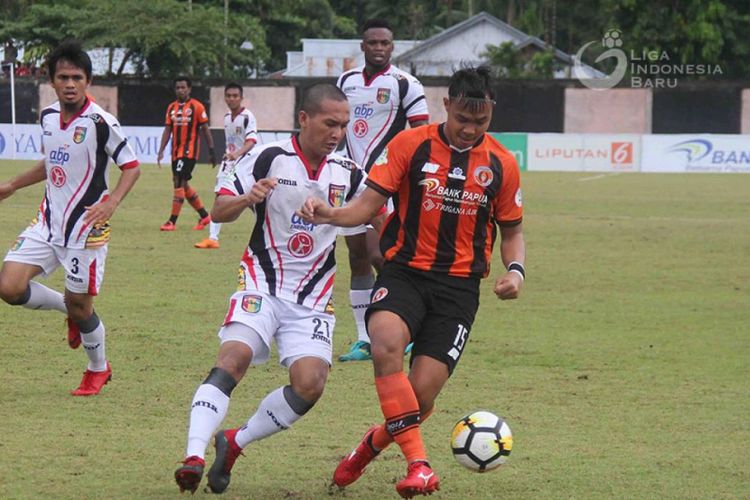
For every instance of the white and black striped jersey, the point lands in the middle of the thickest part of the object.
(287, 257)
(379, 109)
(77, 157)
(239, 129)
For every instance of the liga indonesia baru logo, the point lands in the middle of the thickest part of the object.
(647, 69)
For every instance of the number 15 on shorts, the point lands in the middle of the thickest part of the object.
(459, 342)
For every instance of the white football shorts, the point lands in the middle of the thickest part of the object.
(84, 268)
(297, 330)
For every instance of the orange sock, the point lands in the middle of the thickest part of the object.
(192, 197)
(381, 439)
(401, 412)
(177, 201)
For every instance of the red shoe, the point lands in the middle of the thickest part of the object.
(189, 475)
(353, 465)
(93, 382)
(74, 334)
(168, 226)
(202, 223)
(419, 480)
(227, 451)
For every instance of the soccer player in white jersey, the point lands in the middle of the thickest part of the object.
(285, 284)
(382, 99)
(72, 227)
(241, 134)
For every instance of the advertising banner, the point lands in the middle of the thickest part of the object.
(696, 153)
(516, 143)
(584, 152)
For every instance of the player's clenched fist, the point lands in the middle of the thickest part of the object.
(508, 286)
(261, 190)
(315, 211)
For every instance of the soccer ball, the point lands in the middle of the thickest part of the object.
(481, 441)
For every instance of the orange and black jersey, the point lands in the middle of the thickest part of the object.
(448, 202)
(185, 119)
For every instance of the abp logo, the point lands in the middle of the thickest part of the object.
(622, 153)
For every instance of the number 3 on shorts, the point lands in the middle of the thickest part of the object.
(74, 267)
(459, 342)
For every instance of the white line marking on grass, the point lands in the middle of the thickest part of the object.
(600, 176)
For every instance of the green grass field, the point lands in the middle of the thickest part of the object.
(623, 370)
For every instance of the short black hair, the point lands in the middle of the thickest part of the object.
(472, 83)
(183, 79)
(376, 23)
(315, 94)
(233, 85)
(72, 52)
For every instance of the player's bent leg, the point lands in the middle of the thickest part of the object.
(362, 280)
(208, 409)
(17, 289)
(92, 336)
(389, 336)
(427, 377)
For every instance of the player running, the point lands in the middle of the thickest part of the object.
(72, 227)
(453, 185)
(185, 117)
(241, 134)
(382, 100)
(285, 284)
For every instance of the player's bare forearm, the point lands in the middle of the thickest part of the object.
(35, 174)
(207, 135)
(164, 140)
(227, 208)
(249, 144)
(361, 210)
(102, 212)
(512, 250)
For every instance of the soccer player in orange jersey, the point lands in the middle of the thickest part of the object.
(453, 186)
(185, 118)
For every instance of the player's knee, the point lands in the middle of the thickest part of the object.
(13, 292)
(235, 366)
(310, 388)
(79, 309)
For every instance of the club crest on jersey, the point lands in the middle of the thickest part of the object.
(383, 158)
(57, 176)
(300, 245)
(379, 294)
(360, 128)
(336, 195)
(251, 303)
(483, 176)
(384, 95)
(79, 135)
(457, 173)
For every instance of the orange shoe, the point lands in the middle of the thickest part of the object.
(74, 334)
(353, 465)
(419, 480)
(168, 226)
(207, 243)
(93, 382)
(202, 223)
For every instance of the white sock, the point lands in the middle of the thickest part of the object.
(213, 230)
(273, 415)
(360, 299)
(44, 298)
(93, 344)
(207, 411)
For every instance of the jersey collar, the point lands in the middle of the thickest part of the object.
(368, 81)
(64, 125)
(444, 138)
(305, 162)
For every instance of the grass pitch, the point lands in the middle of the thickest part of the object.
(622, 370)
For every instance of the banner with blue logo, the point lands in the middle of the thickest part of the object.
(696, 153)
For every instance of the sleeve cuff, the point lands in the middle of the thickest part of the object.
(377, 187)
(418, 118)
(225, 192)
(129, 165)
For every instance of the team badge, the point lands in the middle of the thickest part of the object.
(379, 294)
(251, 303)
(384, 95)
(79, 135)
(383, 158)
(519, 198)
(17, 244)
(360, 128)
(300, 245)
(336, 195)
(457, 173)
(241, 279)
(483, 176)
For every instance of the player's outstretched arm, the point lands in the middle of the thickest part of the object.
(227, 207)
(513, 253)
(102, 212)
(210, 142)
(360, 210)
(35, 174)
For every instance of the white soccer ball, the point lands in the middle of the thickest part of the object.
(481, 441)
